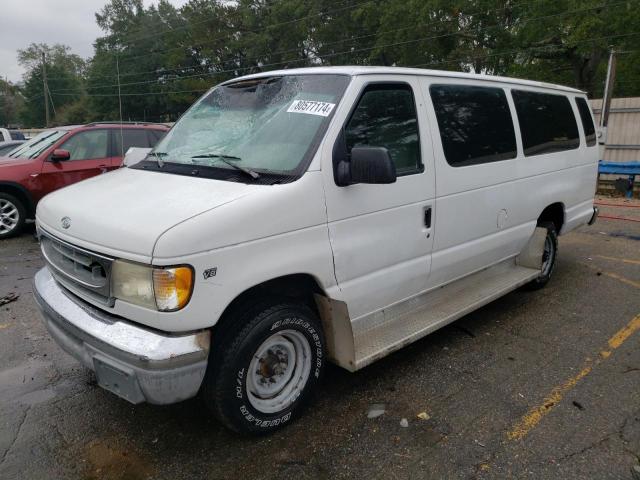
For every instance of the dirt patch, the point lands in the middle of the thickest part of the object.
(111, 459)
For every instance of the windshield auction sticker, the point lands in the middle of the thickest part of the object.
(311, 107)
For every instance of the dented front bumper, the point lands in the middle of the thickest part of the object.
(136, 363)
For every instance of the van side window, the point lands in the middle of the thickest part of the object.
(475, 124)
(547, 122)
(587, 121)
(386, 117)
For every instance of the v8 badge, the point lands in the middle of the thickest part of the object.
(210, 272)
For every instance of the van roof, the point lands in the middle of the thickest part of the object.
(357, 70)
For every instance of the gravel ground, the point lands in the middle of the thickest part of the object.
(539, 384)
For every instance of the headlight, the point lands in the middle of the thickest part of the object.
(164, 289)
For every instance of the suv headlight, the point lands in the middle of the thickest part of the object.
(162, 288)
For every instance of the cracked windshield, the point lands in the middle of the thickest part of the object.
(269, 124)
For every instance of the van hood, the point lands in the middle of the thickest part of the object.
(124, 212)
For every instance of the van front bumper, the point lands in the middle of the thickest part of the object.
(135, 363)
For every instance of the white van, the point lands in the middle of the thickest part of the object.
(296, 217)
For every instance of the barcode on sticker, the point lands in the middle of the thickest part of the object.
(311, 107)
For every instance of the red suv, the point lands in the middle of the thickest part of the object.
(59, 157)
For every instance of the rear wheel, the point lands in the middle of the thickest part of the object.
(549, 256)
(265, 370)
(12, 215)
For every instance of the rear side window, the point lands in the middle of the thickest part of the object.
(587, 121)
(155, 136)
(547, 122)
(16, 135)
(386, 117)
(130, 138)
(475, 124)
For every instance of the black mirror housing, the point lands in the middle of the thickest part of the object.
(367, 165)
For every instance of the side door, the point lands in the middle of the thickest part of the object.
(381, 235)
(89, 156)
(477, 161)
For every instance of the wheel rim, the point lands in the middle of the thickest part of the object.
(9, 216)
(279, 371)
(547, 256)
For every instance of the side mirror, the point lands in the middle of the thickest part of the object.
(60, 155)
(367, 165)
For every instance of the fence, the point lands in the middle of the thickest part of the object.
(623, 136)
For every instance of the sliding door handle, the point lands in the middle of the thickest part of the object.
(427, 217)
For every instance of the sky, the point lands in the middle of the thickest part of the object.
(70, 22)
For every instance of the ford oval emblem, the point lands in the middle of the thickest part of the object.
(66, 222)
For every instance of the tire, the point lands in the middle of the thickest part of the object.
(12, 216)
(252, 385)
(549, 257)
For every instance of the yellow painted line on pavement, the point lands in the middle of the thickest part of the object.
(622, 279)
(535, 414)
(4, 325)
(623, 260)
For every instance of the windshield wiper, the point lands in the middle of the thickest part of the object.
(229, 159)
(159, 156)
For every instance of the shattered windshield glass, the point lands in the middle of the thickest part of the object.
(269, 124)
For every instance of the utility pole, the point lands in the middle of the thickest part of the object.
(45, 86)
(608, 90)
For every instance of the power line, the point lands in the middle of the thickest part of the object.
(130, 94)
(162, 70)
(346, 52)
(209, 17)
(467, 59)
(456, 60)
(273, 25)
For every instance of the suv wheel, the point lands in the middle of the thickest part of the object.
(267, 369)
(12, 215)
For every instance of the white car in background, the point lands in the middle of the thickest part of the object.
(7, 135)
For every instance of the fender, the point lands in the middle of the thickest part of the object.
(7, 186)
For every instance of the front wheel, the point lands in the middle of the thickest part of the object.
(267, 369)
(549, 256)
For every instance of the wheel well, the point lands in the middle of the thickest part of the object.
(21, 194)
(553, 213)
(300, 287)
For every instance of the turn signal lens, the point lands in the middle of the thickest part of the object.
(172, 287)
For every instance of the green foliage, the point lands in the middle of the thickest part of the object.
(10, 103)
(64, 75)
(168, 56)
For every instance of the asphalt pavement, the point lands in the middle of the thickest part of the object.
(540, 385)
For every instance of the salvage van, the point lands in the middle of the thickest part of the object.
(296, 217)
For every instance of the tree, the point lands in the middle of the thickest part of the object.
(64, 79)
(568, 41)
(168, 56)
(10, 103)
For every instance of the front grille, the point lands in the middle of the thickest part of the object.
(83, 272)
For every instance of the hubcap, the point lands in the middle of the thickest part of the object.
(9, 216)
(279, 371)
